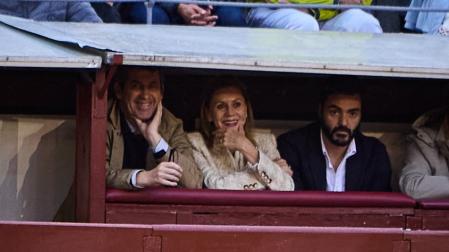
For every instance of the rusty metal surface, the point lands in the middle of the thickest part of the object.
(19, 49)
(406, 55)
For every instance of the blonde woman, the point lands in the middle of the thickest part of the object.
(228, 151)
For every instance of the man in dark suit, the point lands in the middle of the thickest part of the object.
(332, 154)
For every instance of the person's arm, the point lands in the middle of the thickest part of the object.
(271, 174)
(163, 174)
(173, 134)
(160, 174)
(381, 180)
(417, 179)
(193, 14)
(214, 178)
(191, 176)
(287, 151)
(216, 175)
(116, 177)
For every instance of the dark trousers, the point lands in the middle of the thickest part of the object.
(136, 13)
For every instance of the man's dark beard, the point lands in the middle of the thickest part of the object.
(328, 133)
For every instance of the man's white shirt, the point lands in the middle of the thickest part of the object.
(336, 177)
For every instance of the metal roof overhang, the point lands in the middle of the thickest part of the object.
(399, 55)
(20, 49)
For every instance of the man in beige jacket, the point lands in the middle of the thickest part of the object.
(426, 171)
(146, 144)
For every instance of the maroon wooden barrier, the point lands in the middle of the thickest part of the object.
(244, 238)
(68, 237)
(224, 207)
(425, 241)
(16, 236)
(90, 148)
(39, 236)
(433, 214)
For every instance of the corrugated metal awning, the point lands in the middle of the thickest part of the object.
(20, 49)
(404, 55)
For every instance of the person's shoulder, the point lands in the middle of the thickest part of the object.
(169, 118)
(261, 133)
(170, 125)
(196, 139)
(427, 126)
(300, 133)
(263, 137)
(113, 118)
(369, 141)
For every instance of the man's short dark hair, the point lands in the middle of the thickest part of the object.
(121, 75)
(341, 85)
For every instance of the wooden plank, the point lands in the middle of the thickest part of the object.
(49, 237)
(68, 237)
(433, 219)
(253, 215)
(243, 238)
(424, 241)
(428, 219)
(90, 148)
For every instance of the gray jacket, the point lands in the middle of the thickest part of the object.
(426, 172)
(50, 11)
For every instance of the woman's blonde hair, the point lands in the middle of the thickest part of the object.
(214, 85)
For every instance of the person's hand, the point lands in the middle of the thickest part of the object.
(351, 2)
(149, 130)
(165, 174)
(193, 14)
(235, 139)
(231, 138)
(284, 166)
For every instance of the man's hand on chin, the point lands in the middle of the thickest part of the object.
(149, 129)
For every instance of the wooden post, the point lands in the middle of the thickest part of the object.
(91, 149)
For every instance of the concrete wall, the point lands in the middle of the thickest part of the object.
(37, 165)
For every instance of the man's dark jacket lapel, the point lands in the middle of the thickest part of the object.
(354, 166)
(317, 164)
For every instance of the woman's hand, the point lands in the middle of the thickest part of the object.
(235, 140)
(193, 14)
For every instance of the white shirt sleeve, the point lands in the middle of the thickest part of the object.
(134, 179)
(162, 145)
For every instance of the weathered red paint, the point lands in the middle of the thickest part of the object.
(90, 149)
